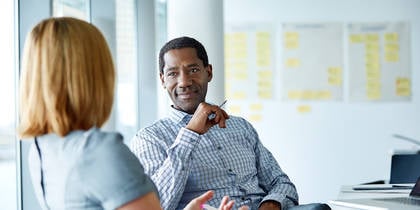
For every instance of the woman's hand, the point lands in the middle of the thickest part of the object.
(197, 203)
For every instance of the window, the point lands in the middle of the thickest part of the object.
(126, 62)
(8, 113)
(74, 8)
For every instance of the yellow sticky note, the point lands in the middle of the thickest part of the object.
(229, 93)
(241, 75)
(373, 74)
(392, 57)
(265, 74)
(240, 54)
(372, 57)
(228, 74)
(373, 85)
(372, 66)
(292, 63)
(357, 38)
(263, 52)
(263, 62)
(239, 36)
(265, 94)
(403, 91)
(402, 82)
(372, 38)
(291, 40)
(304, 109)
(239, 95)
(255, 118)
(265, 84)
(263, 35)
(334, 71)
(294, 94)
(392, 47)
(373, 94)
(238, 45)
(262, 43)
(241, 65)
(228, 65)
(373, 80)
(372, 47)
(308, 95)
(233, 109)
(391, 37)
(228, 85)
(256, 107)
(336, 81)
(291, 36)
(290, 45)
(323, 95)
(373, 89)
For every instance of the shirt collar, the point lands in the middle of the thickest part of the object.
(179, 116)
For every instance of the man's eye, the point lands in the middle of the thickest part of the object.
(194, 70)
(170, 74)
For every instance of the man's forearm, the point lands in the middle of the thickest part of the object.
(167, 167)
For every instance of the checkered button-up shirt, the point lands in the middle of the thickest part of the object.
(231, 161)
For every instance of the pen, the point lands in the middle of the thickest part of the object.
(222, 104)
(208, 207)
(212, 115)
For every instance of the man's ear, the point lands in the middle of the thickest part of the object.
(210, 72)
(162, 80)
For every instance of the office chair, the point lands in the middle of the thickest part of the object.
(311, 206)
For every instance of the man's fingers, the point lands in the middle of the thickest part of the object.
(243, 208)
(225, 114)
(228, 206)
(205, 197)
(225, 199)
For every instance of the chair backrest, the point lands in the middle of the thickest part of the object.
(311, 206)
(405, 168)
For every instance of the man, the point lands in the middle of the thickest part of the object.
(200, 147)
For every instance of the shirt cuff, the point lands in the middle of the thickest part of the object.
(187, 138)
(285, 202)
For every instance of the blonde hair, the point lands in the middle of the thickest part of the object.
(67, 78)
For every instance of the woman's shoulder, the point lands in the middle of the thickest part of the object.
(98, 141)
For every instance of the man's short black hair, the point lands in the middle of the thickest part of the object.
(183, 42)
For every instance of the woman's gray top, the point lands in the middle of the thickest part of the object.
(86, 170)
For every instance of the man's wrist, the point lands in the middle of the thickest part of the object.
(270, 205)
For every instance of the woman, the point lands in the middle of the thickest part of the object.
(67, 89)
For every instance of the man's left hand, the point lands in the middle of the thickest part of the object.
(200, 121)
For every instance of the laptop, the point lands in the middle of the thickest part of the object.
(391, 203)
(405, 168)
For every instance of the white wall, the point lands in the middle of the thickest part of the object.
(337, 143)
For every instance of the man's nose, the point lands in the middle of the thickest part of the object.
(184, 79)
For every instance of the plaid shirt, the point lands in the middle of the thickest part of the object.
(231, 161)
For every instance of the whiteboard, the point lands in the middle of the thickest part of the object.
(324, 144)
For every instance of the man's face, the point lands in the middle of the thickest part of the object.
(185, 78)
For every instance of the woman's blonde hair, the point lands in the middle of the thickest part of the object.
(67, 78)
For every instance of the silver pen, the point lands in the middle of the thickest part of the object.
(212, 115)
(222, 104)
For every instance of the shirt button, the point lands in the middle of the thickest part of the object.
(219, 147)
(230, 170)
(243, 198)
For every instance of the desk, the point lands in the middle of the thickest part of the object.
(347, 192)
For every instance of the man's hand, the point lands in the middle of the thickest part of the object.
(201, 123)
(270, 205)
(196, 203)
